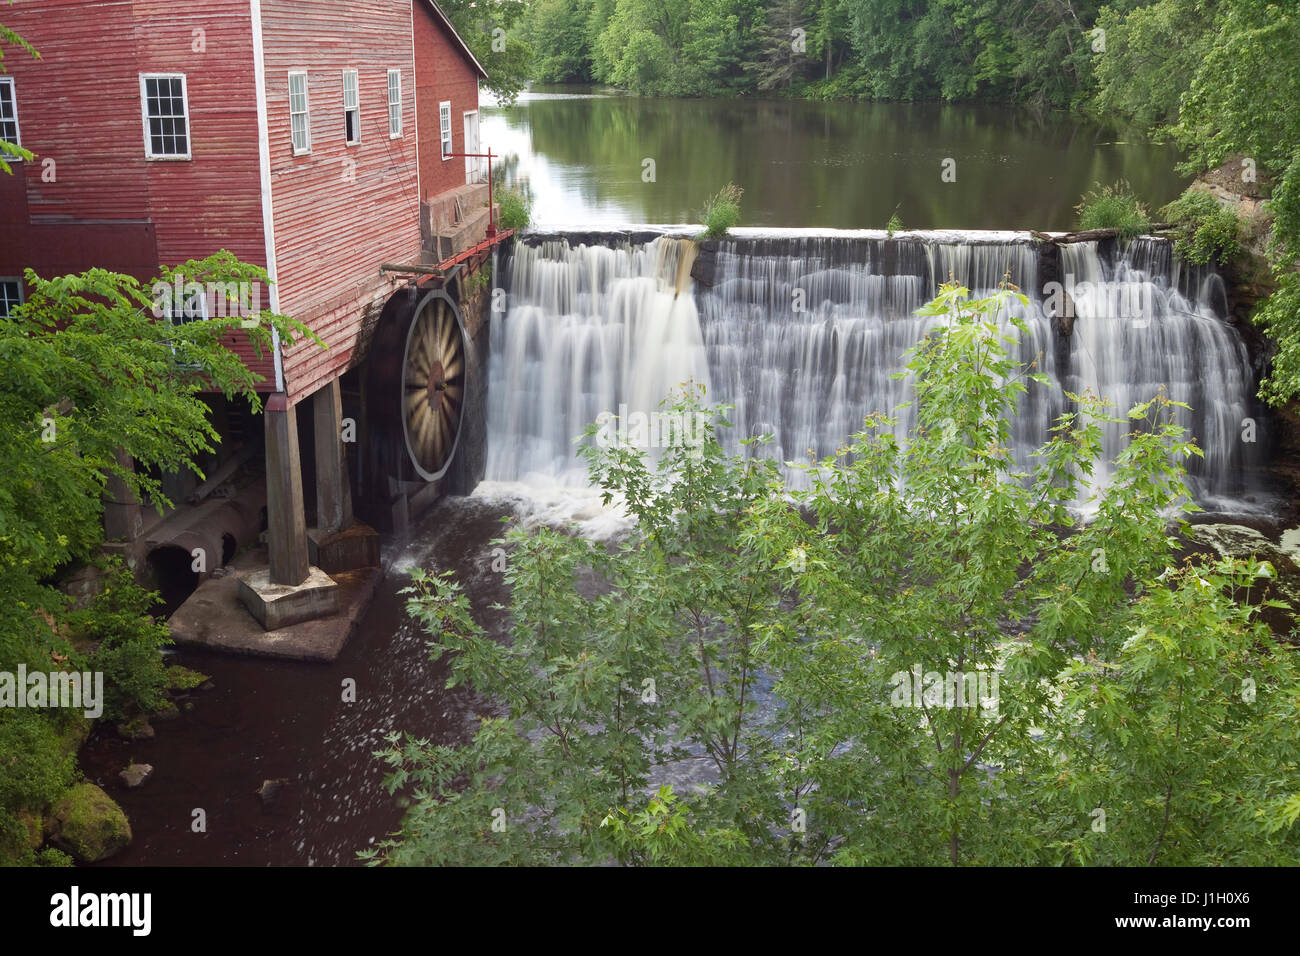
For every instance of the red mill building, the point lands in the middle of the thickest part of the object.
(322, 141)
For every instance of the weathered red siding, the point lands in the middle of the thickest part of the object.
(340, 211)
(442, 73)
(102, 203)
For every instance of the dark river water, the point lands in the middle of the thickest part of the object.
(841, 165)
(267, 720)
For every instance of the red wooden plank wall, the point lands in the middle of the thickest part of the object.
(341, 210)
(442, 73)
(79, 105)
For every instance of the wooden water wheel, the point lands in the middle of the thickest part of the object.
(433, 385)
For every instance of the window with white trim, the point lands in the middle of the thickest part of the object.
(299, 123)
(9, 111)
(351, 108)
(444, 122)
(11, 295)
(394, 104)
(165, 109)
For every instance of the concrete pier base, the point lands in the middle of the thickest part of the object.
(215, 617)
(278, 605)
(351, 549)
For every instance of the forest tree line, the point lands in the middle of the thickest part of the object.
(1051, 53)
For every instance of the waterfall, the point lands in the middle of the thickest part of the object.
(1143, 320)
(803, 335)
(587, 330)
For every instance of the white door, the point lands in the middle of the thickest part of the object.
(472, 166)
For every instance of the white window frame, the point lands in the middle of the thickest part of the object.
(355, 106)
(144, 117)
(13, 101)
(18, 281)
(394, 105)
(305, 113)
(444, 130)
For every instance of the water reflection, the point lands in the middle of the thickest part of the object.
(845, 165)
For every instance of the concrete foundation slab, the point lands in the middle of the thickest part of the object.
(213, 617)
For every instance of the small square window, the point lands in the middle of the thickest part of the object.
(166, 116)
(193, 308)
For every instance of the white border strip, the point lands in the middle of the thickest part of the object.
(264, 162)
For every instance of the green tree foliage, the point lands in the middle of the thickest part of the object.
(1245, 99)
(1142, 713)
(1224, 78)
(781, 47)
(557, 33)
(89, 381)
(1024, 50)
(495, 35)
(1207, 229)
(1147, 56)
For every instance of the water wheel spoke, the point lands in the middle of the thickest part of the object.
(448, 414)
(439, 442)
(453, 392)
(419, 361)
(451, 368)
(430, 344)
(414, 397)
(424, 428)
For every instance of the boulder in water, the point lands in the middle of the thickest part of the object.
(136, 774)
(88, 823)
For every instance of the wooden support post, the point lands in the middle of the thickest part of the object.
(333, 495)
(122, 518)
(286, 525)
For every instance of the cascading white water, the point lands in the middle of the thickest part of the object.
(588, 330)
(810, 375)
(1145, 320)
(803, 334)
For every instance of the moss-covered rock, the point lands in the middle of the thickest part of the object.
(87, 823)
(183, 678)
(74, 730)
(136, 728)
(168, 711)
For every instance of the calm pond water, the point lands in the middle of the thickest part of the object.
(839, 165)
